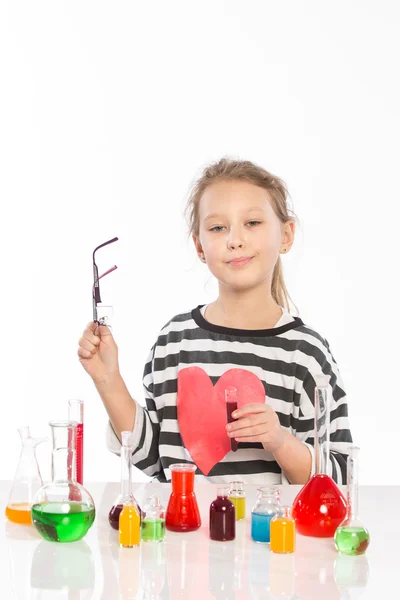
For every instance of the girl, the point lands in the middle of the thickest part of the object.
(245, 339)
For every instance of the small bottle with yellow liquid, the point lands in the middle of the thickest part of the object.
(283, 531)
(130, 516)
(27, 480)
(237, 496)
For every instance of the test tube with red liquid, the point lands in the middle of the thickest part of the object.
(231, 406)
(75, 413)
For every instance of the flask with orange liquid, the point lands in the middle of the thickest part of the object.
(27, 480)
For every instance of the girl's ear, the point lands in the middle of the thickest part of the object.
(288, 232)
(199, 247)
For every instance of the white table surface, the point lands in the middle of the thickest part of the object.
(192, 566)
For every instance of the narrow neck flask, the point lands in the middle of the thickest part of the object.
(263, 511)
(351, 537)
(126, 495)
(222, 517)
(182, 510)
(129, 518)
(63, 510)
(320, 507)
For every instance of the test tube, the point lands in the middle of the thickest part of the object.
(75, 413)
(231, 406)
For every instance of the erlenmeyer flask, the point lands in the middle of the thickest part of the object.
(27, 480)
(63, 510)
(182, 510)
(320, 507)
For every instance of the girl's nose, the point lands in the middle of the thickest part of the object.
(235, 240)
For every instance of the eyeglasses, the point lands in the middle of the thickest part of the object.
(96, 278)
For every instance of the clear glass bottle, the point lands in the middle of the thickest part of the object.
(351, 537)
(153, 520)
(27, 480)
(63, 510)
(320, 507)
(222, 517)
(125, 496)
(237, 495)
(283, 531)
(182, 511)
(267, 503)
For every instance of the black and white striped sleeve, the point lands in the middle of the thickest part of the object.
(146, 429)
(340, 435)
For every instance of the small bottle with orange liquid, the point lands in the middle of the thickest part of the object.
(283, 531)
(27, 480)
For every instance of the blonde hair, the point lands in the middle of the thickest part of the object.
(244, 170)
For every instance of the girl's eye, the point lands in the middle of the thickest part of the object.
(217, 228)
(253, 223)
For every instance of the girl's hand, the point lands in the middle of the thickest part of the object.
(257, 423)
(98, 353)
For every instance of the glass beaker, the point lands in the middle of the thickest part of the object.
(351, 537)
(182, 510)
(125, 496)
(231, 405)
(75, 413)
(27, 480)
(263, 511)
(283, 531)
(320, 507)
(56, 516)
(153, 521)
(222, 517)
(237, 495)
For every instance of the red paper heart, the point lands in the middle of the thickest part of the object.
(201, 411)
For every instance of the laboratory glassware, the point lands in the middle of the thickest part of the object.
(351, 537)
(231, 405)
(56, 516)
(96, 299)
(75, 413)
(153, 520)
(283, 531)
(182, 510)
(320, 507)
(222, 517)
(237, 495)
(125, 496)
(264, 509)
(27, 480)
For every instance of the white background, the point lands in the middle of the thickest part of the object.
(108, 111)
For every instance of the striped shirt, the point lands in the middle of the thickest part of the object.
(286, 359)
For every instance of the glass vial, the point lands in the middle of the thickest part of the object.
(351, 537)
(283, 531)
(153, 521)
(231, 405)
(263, 511)
(237, 496)
(222, 517)
(129, 518)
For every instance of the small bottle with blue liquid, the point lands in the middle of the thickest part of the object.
(263, 511)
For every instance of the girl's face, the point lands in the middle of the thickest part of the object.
(240, 235)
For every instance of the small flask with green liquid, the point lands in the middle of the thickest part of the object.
(237, 496)
(351, 537)
(153, 520)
